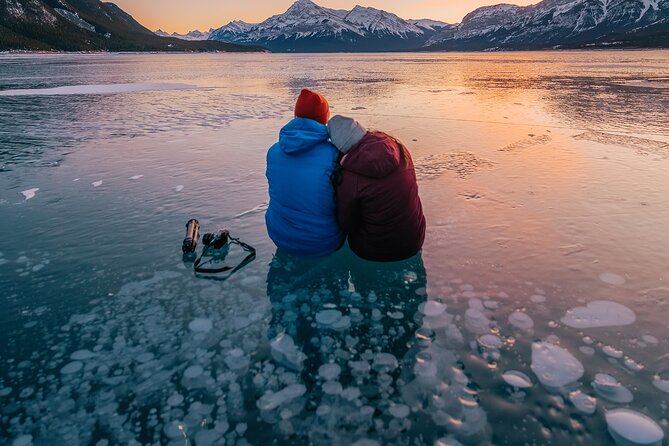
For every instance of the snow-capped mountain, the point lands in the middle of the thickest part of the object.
(433, 25)
(306, 26)
(191, 35)
(380, 22)
(552, 23)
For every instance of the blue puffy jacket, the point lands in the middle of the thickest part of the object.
(302, 218)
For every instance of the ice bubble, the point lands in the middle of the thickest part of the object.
(25, 393)
(175, 400)
(72, 367)
(97, 183)
(538, 298)
(397, 315)
(343, 323)
(490, 341)
(28, 194)
(328, 317)
(179, 188)
(554, 366)
(609, 388)
(631, 428)
(82, 355)
(433, 308)
(425, 335)
(517, 379)
(521, 320)
(447, 441)
(207, 437)
(5, 391)
(273, 400)
(135, 177)
(490, 304)
(662, 384)
(399, 410)
(476, 321)
(650, 339)
(145, 357)
(285, 352)
(586, 350)
(200, 325)
(599, 313)
(366, 442)
(332, 388)
(583, 402)
(23, 440)
(351, 393)
(329, 372)
(425, 368)
(235, 359)
(632, 365)
(612, 279)
(194, 371)
(359, 368)
(384, 362)
(612, 352)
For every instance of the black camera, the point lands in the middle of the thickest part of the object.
(216, 240)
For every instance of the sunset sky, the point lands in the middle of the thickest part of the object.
(182, 16)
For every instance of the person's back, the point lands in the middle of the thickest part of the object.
(377, 196)
(301, 217)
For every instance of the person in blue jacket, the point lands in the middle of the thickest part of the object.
(302, 217)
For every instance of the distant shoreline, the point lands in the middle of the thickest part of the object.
(546, 50)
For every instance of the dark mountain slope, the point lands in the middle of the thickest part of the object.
(85, 25)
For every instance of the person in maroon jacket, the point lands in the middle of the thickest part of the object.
(377, 193)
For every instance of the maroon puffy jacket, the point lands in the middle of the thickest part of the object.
(377, 200)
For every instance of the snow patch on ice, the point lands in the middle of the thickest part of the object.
(30, 193)
(97, 89)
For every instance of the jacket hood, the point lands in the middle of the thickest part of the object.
(377, 156)
(302, 134)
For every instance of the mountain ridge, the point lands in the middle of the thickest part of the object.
(307, 27)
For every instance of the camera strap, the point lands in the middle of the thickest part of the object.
(198, 265)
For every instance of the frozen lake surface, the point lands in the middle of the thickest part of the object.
(537, 313)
